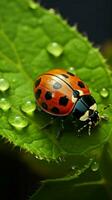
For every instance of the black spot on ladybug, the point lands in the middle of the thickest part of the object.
(76, 93)
(63, 101)
(48, 95)
(81, 84)
(64, 75)
(37, 82)
(57, 85)
(44, 105)
(55, 110)
(70, 74)
(38, 93)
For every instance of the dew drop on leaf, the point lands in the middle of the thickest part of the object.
(73, 170)
(55, 49)
(60, 159)
(18, 121)
(28, 107)
(78, 172)
(4, 104)
(73, 167)
(33, 5)
(71, 69)
(4, 84)
(95, 166)
(104, 93)
(51, 10)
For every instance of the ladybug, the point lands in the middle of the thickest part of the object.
(61, 93)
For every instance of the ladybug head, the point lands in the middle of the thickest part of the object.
(93, 116)
(85, 110)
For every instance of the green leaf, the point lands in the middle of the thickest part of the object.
(88, 186)
(26, 31)
(107, 52)
(70, 191)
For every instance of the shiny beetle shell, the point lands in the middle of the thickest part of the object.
(58, 90)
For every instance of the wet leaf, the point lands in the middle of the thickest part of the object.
(26, 31)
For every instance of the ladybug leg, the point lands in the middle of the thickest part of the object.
(89, 129)
(51, 121)
(61, 128)
(84, 126)
(89, 124)
(38, 109)
(74, 122)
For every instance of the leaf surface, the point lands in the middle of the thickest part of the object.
(26, 30)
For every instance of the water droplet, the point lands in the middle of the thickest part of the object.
(55, 49)
(37, 157)
(4, 104)
(104, 93)
(60, 159)
(33, 5)
(18, 121)
(28, 107)
(51, 10)
(4, 84)
(91, 160)
(13, 80)
(95, 166)
(71, 69)
(73, 167)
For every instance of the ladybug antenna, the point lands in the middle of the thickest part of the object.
(109, 105)
(102, 112)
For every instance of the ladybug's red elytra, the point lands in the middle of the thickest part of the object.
(61, 93)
